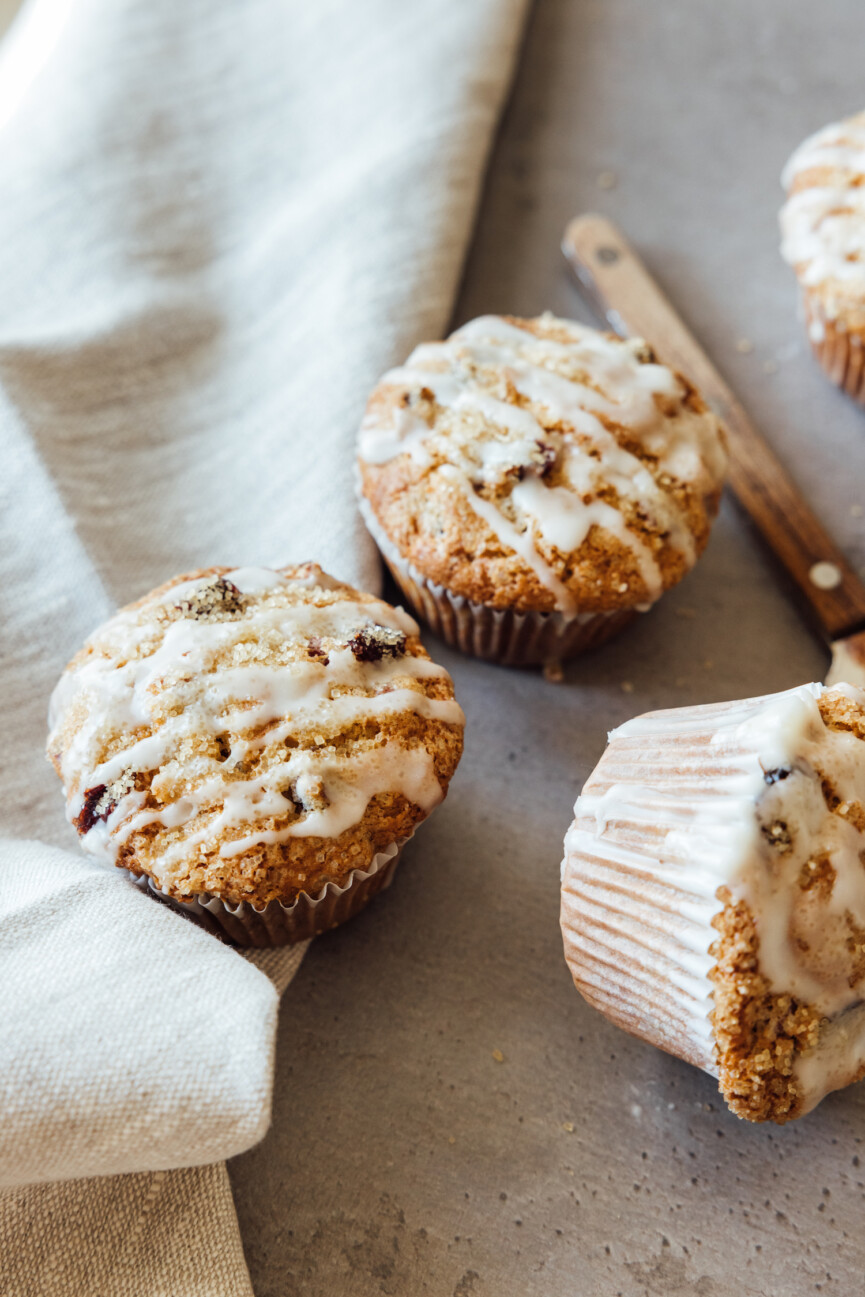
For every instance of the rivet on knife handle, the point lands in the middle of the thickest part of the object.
(622, 290)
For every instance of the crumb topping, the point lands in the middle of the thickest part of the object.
(758, 1032)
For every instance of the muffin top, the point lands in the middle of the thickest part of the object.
(252, 733)
(823, 220)
(540, 465)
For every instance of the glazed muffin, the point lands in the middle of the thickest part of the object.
(533, 483)
(823, 239)
(257, 744)
(713, 892)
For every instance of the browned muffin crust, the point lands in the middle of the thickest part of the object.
(757, 1032)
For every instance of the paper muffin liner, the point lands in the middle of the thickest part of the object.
(637, 929)
(276, 924)
(495, 634)
(841, 354)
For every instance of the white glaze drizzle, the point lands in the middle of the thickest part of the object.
(621, 389)
(716, 829)
(823, 226)
(174, 689)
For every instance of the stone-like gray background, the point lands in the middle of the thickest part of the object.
(403, 1158)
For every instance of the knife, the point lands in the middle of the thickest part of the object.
(620, 288)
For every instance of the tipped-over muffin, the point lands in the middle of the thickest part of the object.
(713, 892)
(532, 483)
(253, 737)
(823, 233)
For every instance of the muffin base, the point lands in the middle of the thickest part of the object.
(519, 639)
(841, 354)
(276, 924)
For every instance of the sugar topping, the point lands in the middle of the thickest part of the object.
(823, 223)
(195, 667)
(763, 801)
(491, 411)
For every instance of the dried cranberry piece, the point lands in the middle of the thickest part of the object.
(315, 650)
(373, 643)
(291, 794)
(546, 459)
(88, 816)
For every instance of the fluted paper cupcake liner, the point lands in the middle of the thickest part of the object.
(276, 924)
(840, 353)
(494, 634)
(636, 910)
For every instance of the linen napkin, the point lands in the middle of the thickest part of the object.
(220, 222)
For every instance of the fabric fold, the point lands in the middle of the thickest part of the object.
(174, 1068)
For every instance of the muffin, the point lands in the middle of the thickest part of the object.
(713, 892)
(533, 483)
(256, 744)
(823, 239)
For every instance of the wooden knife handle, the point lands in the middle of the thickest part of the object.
(620, 287)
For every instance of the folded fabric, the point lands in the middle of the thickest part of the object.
(174, 1068)
(219, 224)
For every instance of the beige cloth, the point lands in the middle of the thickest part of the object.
(170, 1233)
(220, 222)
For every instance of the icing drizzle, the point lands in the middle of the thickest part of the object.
(195, 671)
(515, 451)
